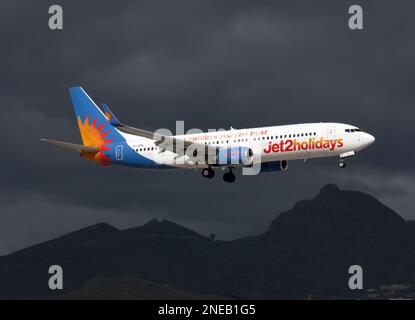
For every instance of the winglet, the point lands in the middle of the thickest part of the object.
(110, 116)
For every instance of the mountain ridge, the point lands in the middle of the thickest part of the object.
(306, 250)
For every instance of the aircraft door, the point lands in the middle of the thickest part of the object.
(331, 133)
(119, 152)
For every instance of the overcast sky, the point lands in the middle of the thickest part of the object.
(213, 64)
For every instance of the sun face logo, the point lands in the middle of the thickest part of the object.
(93, 136)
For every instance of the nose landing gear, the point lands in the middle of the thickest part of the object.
(343, 157)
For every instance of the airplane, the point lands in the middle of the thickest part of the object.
(105, 140)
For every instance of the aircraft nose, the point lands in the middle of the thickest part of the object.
(369, 139)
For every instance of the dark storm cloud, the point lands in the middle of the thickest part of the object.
(212, 64)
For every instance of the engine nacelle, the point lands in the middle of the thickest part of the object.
(235, 155)
(274, 166)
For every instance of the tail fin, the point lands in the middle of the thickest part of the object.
(95, 129)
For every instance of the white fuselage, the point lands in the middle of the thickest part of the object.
(277, 143)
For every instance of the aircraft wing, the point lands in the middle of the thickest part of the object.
(72, 146)
(165, 142)
(170, 143)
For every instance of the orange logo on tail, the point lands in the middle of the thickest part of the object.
(93, 136)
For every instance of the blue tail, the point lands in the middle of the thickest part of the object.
(94, 126)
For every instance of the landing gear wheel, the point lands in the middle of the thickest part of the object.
(229, 177)
(342, 164)
(208, 173)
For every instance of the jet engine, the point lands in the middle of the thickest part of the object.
(274, 166)
(235, 155)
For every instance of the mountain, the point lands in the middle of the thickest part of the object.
(156, 228)
(341, 219)
(128, 288)
(306, 250)
(160, 251)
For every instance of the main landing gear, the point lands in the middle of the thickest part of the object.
(208, 173)
(342, 164)
(229, 176)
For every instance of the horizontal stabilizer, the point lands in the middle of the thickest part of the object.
(72, 146)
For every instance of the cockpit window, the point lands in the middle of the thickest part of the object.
(352, 130)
